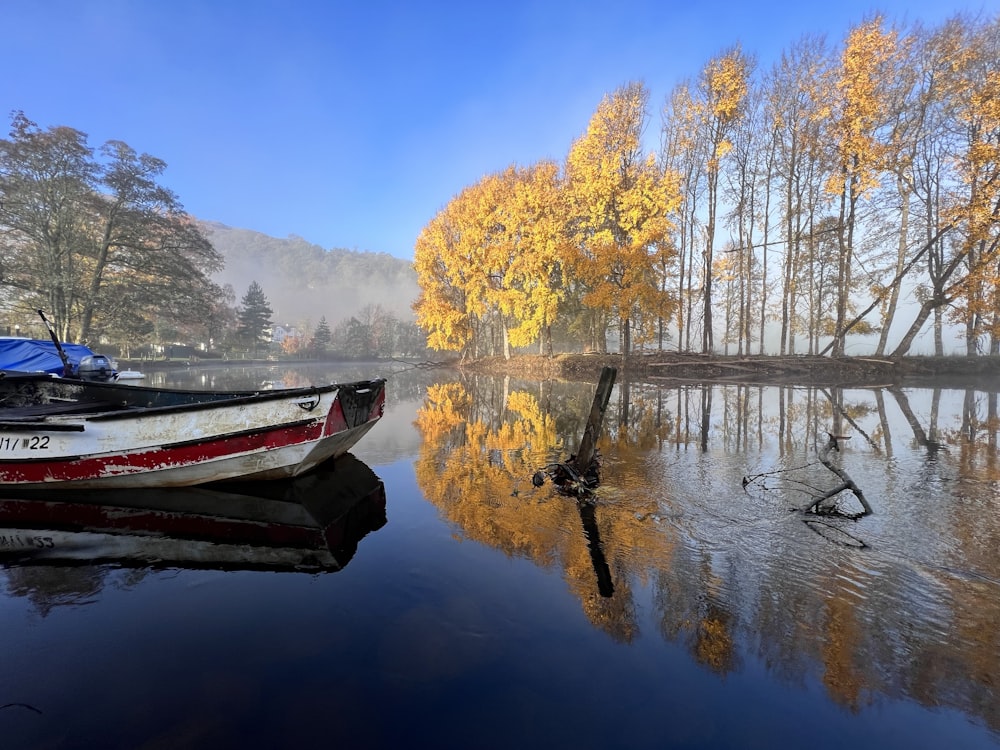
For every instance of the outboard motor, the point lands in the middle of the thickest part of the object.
(95, 367)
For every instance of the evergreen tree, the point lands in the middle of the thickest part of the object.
(254, 316)
(321, 337)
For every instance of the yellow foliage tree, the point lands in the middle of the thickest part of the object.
(970, 79)
(976, 91)
(532, 278)
(619, 205)
(442, 306)
(490, 261)
(723, 89)
(861, 109)
(522, 225)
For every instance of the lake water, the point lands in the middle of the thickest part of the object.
(689, 603)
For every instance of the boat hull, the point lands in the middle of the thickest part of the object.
(95, 435)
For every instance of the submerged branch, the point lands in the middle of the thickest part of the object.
(832, 444)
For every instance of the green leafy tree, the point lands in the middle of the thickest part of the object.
(88, 236)
(254, 317)
(352, 338)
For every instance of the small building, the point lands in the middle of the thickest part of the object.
(281, 332)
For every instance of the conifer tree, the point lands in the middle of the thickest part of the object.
(321, 337)
(254, 316)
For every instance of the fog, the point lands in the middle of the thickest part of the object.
(303, 282)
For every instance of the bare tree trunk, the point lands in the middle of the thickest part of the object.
(904, 220)
(903, 347)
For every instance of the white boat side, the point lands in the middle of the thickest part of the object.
(269, 435)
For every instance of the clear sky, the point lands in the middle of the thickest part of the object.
(352, 123)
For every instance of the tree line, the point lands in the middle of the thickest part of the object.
(94, 239)
(783, 210)
(373, 333)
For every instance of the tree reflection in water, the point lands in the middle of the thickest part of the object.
(902, 603)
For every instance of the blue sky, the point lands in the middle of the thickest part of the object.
(351, 124)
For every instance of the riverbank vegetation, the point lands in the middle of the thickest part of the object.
(848, 190)
(751, 368)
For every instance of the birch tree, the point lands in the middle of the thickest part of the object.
(682, 153)
(722, 90)
(859, 112)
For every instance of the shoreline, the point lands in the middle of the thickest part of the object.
(804, 369)
(667, 367)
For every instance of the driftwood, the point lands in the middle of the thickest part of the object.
(426, 365)
(801, 478)
(833, 444)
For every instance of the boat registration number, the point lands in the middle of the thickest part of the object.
(32, 443)
(16, 541)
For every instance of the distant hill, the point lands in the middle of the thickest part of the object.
(304, 282)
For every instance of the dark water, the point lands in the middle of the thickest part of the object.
(691, 604)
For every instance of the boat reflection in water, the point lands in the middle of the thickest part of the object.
(312, 523)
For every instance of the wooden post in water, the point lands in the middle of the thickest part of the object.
(588, 443)
(579, 473)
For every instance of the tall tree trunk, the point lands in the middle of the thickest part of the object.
(903, 347)
(904, 221)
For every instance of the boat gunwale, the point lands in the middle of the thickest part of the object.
(40, 425)
(214, 399)
(354, 406)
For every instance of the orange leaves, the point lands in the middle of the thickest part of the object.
(504, 253)
(867, 66)
(726, 78)
(620, 205)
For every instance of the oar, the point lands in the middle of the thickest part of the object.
(67, 367)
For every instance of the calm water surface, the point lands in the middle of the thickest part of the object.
(692, 603)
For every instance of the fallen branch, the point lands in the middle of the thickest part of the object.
(833, 444)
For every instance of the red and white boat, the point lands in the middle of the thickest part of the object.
(58, 432)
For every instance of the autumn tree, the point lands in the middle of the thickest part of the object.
(619, 204)
(978, 114)
(521, 233)
(95, 239)
(294, 345)
(747, 187)
(440, 259)
(795, 105)
(859, 112)
(722, 91)
(489, 263)
(909, 106)
(683, 154)
(865, 173)
(964, 272)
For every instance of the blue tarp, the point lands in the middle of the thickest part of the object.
(32, 355)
